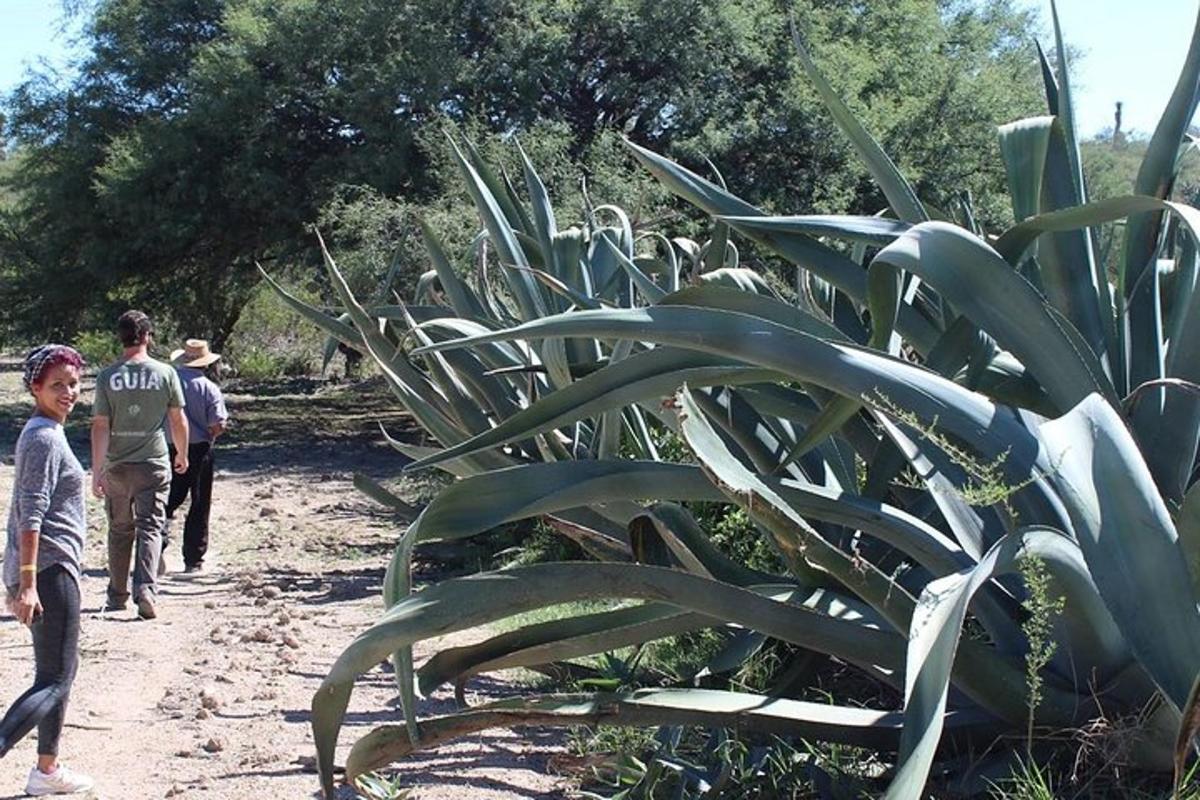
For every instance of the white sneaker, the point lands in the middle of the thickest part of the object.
(61, 781)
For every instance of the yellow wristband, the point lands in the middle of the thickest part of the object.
(29, 568)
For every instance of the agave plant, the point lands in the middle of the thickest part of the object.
(1013, 406)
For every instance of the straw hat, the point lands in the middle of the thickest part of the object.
(195, 353)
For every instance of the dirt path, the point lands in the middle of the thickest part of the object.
(295, 565)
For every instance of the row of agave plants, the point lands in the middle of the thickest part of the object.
(933, 409)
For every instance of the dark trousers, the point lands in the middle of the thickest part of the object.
(197, 482)
(56, 658)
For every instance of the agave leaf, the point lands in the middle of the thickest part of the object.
(797, 542)
(480, 502)
(463, 603)
(1129, 541)
(606, 271)
(746, 429)
(522, 285)
(878, 231)
(786, 405)
(850, 371)
(654, 707)
(669, 257)
(740, 648)
(497, 186)
(559, 640)
(936, 630)
(1023, 145)
(961, 342)
(899, 193)
(1001, 302)
(1013, 243)
(337, 327)
(964, 522)
(1069, 273)
(412, 388)
(574, 637)
(884, 286)
(757, 305)
(1170, 441)
(467, 411)
(459, 467)
(544, 224)
(802, 250)
(715, 251)
(560, 288)
(612, 423)
(1156, 174)
(374, 490)
(925, 544)
(792, 499)
(676, 524)
(596, 534)
(1188, 728)
(745, 280)
(462, 298)
(1065, 110)
(1187, 523)
(832, 419)
(645, 376)
(1049, 82)
(932, 645)
(649, 289)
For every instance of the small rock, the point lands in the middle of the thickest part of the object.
(210, 604)
(283, 618)
(222, 678)
(266, 694)
(175, 789)
(209, 698)
(272, 592)
(287, 656)
(214, 745)
(268, 511)
(261, 601)
(203, 713)
(307, 763)
(258, 635)
(291, 641)
(183, 753)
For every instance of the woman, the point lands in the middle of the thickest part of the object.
(41, 564)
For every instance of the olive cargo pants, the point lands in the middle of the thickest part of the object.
(137, 509)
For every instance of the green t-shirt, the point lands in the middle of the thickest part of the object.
(135, 396)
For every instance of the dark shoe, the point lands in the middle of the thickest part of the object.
(113, 605)
(145, 608)
(197, 567)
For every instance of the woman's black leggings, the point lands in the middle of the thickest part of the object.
(56, 655)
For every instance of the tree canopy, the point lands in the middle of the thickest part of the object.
(199, 136)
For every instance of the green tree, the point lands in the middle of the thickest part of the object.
(199, 136)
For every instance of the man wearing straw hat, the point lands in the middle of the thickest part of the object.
(207, 419)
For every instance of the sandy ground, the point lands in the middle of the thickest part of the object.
(293, 574)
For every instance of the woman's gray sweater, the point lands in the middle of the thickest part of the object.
(47, 497)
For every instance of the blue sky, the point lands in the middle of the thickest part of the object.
(1132, 51)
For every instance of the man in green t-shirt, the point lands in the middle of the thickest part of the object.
(130, 465)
